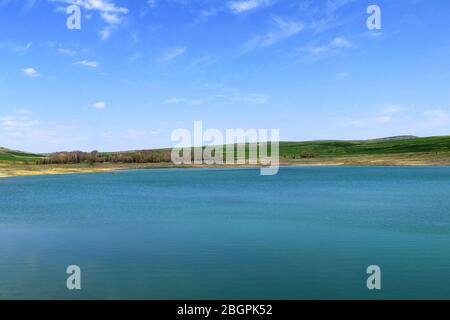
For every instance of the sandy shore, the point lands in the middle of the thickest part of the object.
(32, 170)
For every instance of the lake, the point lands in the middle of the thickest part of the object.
(306, 233)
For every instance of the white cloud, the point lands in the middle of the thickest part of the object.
(255, 98)
(393, 120)
(332, 48)
(248, 5)
(208, 12)
(386, 115)
(333, 5)
(173, 53)
(105, 33)
(67, 51)
(26, 47)
(326, 15)
(190, 102)
(16, 47)
(174, 100)
(152, 3)
(30, 72)
(341, 42)
(111, 18)
(99, 5)
(17, 126)
(87, 63)
(23, 131)
(281, 30)
(99, 105)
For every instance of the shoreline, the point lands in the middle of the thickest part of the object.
(16, 170)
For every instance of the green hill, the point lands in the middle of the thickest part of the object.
(17, 156)
(385, 146)
(402, 145)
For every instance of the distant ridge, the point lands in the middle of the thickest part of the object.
(395, 138)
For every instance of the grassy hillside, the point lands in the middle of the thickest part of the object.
(402, 145)
(386, 146)
(7, 155)
(290, 150)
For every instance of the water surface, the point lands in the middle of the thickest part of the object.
(227, 234)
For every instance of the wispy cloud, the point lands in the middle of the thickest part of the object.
(16, 48)
(23, 128)
(174, 53)
(327, 15)
(334, 47)
(238, 7)
(24, 48)
(253, 98)
(341, 75)
(17, 126)
(396, 120)
(30, 72)
(87, 63)
(65, 51)
(99, 5)
(99, 105)
(282, 29)
(187, 101)
(111, 18)
(105, 33)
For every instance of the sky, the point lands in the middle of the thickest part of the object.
(137, 70)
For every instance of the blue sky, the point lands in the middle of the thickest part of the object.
(139, 69)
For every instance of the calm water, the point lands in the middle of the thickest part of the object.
(186, 234)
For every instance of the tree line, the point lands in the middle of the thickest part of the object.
(145, 156)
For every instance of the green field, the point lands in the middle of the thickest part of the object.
(7, 155)
(377, 147)
(386, 146)
(311, 149)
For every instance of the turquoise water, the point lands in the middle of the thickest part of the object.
(232, 234)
